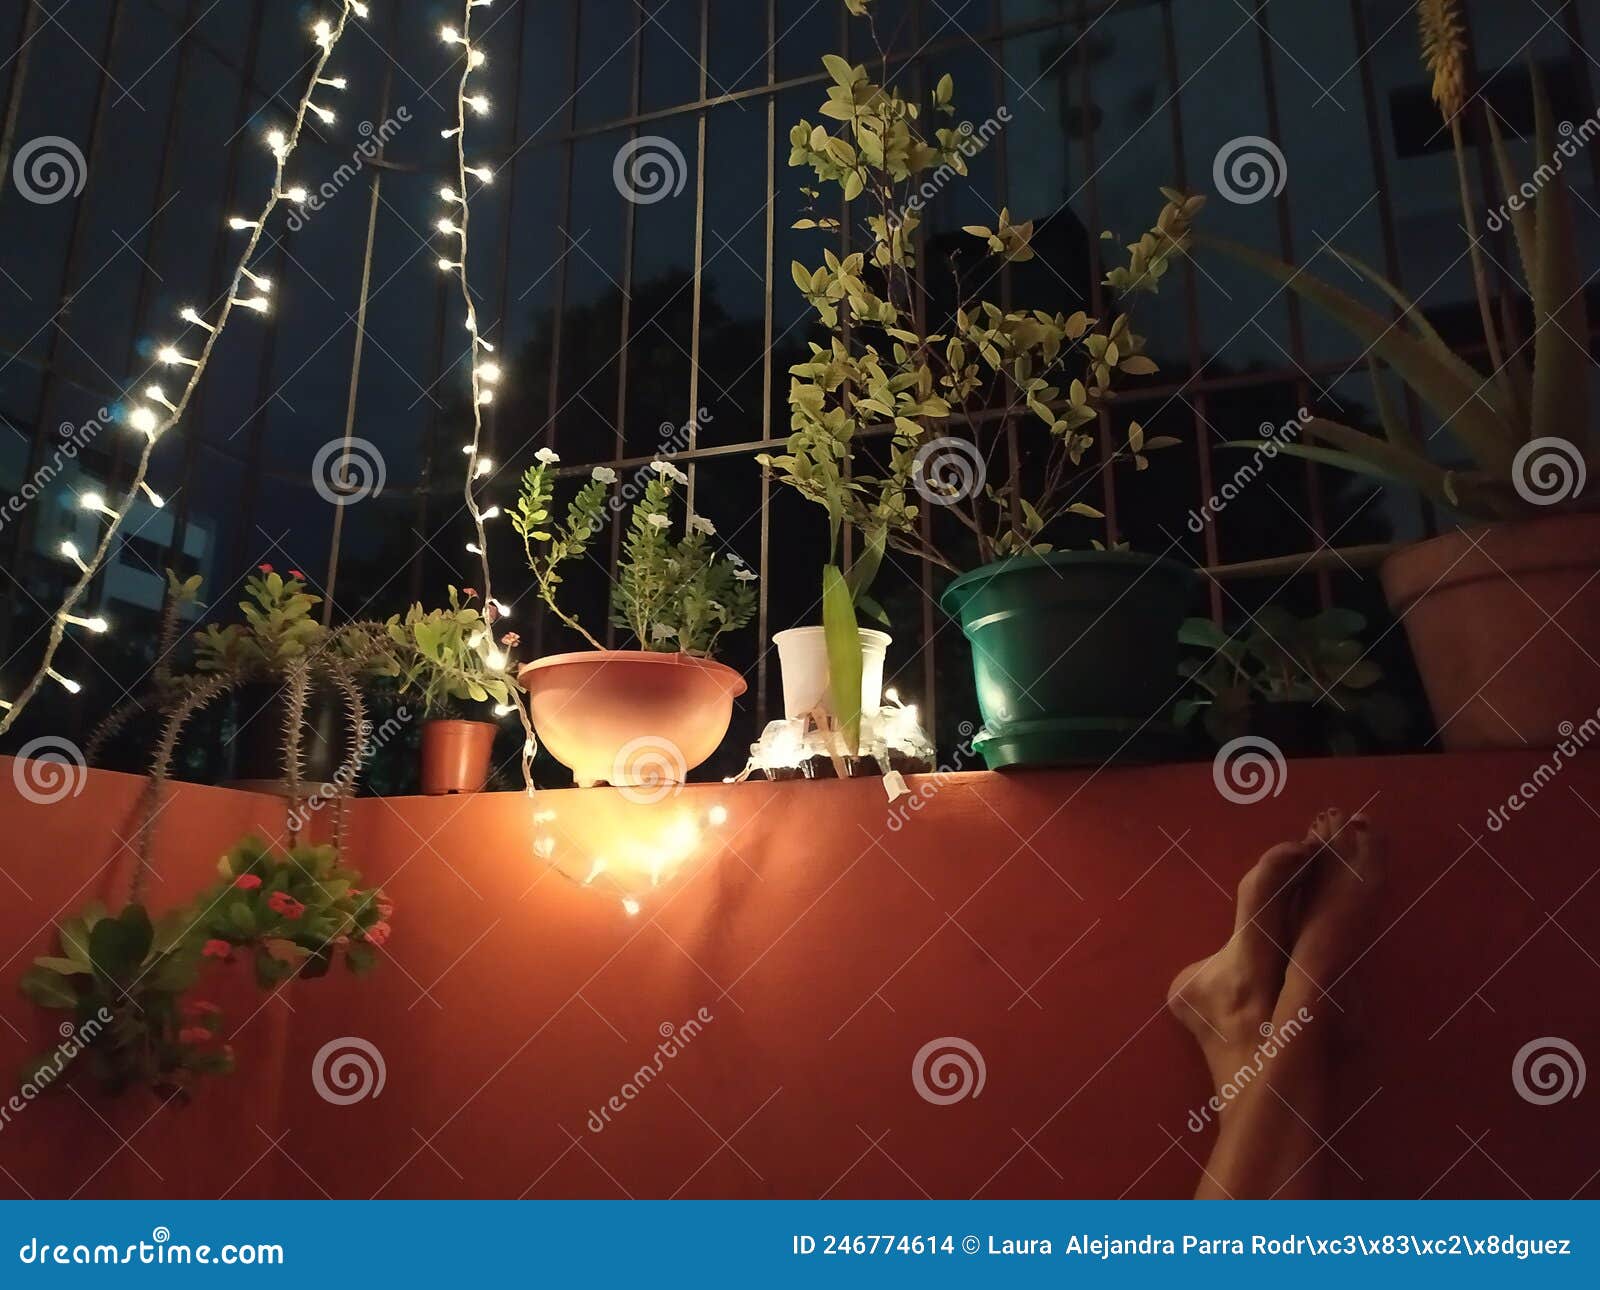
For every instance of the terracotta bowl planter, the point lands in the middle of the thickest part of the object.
(630, 718)
(1504, 622)
(455, 756)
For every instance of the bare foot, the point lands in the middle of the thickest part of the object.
(1227, 999)
(1348, 872)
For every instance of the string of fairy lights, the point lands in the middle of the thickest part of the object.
(454, 224)
(248, 291)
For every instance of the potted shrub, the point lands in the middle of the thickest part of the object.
(1306, 684)
(279, 630)
(649, 715)
(1503, 610)
(1073, 650)
(448, 658)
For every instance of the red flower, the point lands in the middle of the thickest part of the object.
(200, 1008)
(264, 568)
(215, 949)
(297, 575)
(378, 933)
(194, 1035)
(511, 640)
(281, 902)
(385, 908)
(247, 882)
(469, 593)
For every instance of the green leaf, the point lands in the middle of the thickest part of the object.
(844, 655)
(1522, 219)
(1560, 314)
(839, 69)
(48, 989)
(360, 957)
(117, 946)
(67, 967)
(1465, 402)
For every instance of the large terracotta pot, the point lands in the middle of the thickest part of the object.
(1504, 622)
(630, 718)
(455, 756)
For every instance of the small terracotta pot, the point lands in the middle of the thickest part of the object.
(1478, 606)
(455, 756)
(630, 718)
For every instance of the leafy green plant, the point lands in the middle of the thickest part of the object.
(1280, 659)
(1493, 416)
(278, 625)
(672, 593)
(127, 980)
(448, 656)
(124, 979)
(964, 383)
(293, 910)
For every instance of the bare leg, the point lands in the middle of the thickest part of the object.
(1260, 1012)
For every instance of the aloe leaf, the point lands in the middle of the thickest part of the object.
(1463, 402)
(844, 655)
(1395, 424)
(1339, 460)
(1521, 218)
(1412, 467)
(1560, 313)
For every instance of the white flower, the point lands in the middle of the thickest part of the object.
(548, 456)
(604, 474)
(669, 471)
(744, 575)
(662, 632)
(660, 521)
(699, 523)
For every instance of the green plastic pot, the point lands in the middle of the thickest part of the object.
(1074, 654)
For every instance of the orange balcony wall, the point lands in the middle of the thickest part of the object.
(816, 947)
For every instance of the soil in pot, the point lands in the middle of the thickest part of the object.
(455, 755)
(1074, 654)
(1504, 623)
(630, 718)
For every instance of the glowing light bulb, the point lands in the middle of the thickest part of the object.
(485, 397)
(256, 304)
(322, 112)
(446, 265)
(97, 624)
(504, 709)
(482, 173)
(277, 141)
(485, 467)
(450, 35)
(191, 315)
(476, 58)
(156, 499)
(92, 502)
(630, 906)
(495, 658)
(144, 420)
(489, 372)
(297, 194)
(474, 549)
(449, 194)
(479, 103)
(239, 223)
(892, 695)
(263, 283)
(717, 816)
(322, 32)
(447, 225)
(338, 82)
(493, 513)
(65, 682)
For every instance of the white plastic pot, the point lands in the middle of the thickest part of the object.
(803, 661)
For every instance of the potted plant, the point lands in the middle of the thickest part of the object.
(649, 715)
(1306, 684)
(1073, 650)
(279, 630)
(130, 982)
(1503, 610)
(448, 658)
